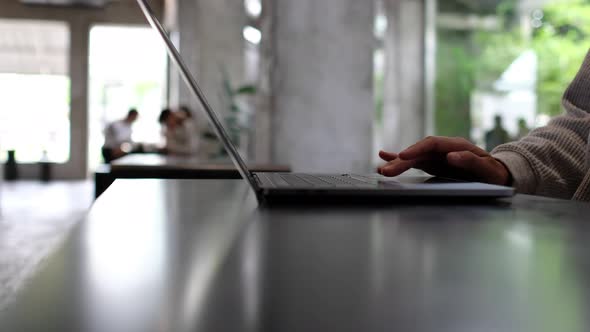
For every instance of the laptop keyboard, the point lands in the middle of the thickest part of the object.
(308, 180)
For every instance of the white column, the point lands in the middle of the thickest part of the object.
(210, 40)
(405, 116)
(77, 166)
(322, 80)
(263, 117)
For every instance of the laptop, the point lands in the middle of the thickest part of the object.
(296, 187)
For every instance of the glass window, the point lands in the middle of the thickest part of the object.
(127, 69)
(34, 90)
(502, 66)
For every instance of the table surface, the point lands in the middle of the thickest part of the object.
(162, 162)
(201, 255)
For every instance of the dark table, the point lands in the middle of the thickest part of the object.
(167, 255)
(171, 167)
(156, 166)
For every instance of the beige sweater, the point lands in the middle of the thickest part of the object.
(555, 160)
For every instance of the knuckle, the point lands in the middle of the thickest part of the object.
(471, 156)
(431, 142)
(491, 160)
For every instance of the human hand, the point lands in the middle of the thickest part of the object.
(447, 157)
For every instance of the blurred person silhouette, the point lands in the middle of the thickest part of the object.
(179, 135)
(188, 122)
(117, 138)
(190, 128)
(185, 112)
(550, 161)
(497, 136)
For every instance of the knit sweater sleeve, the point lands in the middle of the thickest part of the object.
(552, 160)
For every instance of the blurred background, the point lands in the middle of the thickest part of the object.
(318, 86)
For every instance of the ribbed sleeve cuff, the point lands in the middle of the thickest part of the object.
(523, 177)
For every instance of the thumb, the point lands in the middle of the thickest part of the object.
(487, 169)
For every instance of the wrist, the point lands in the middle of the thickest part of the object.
(505, 178)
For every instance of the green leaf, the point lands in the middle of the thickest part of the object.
(247, 90)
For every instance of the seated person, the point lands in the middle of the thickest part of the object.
(551, 161)
(180, 139)
(117, 137)
(188, 122)
(185, 113)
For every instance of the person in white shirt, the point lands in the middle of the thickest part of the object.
(189, 126)
(180, 134)
(117, 137)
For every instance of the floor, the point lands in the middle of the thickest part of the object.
(34, 219)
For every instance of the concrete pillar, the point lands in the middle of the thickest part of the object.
(210, 40)
(263, 105)
(405, 115)
(77, 166)
(322, 81)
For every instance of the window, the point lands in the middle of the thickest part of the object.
(127, 69)
(508, 61)
(34, 90)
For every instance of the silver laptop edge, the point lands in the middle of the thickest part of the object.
(194, 86)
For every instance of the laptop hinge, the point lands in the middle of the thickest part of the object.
(256, 179)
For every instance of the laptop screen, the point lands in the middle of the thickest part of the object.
(194, 87)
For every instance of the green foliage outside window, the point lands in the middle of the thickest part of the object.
(475, 59)
(455, 80)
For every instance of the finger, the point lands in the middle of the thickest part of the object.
(387, 156)
(433, 167)
(483, 168)
(397, 167)
(442, 145)
(380, 168)
(433, 162)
